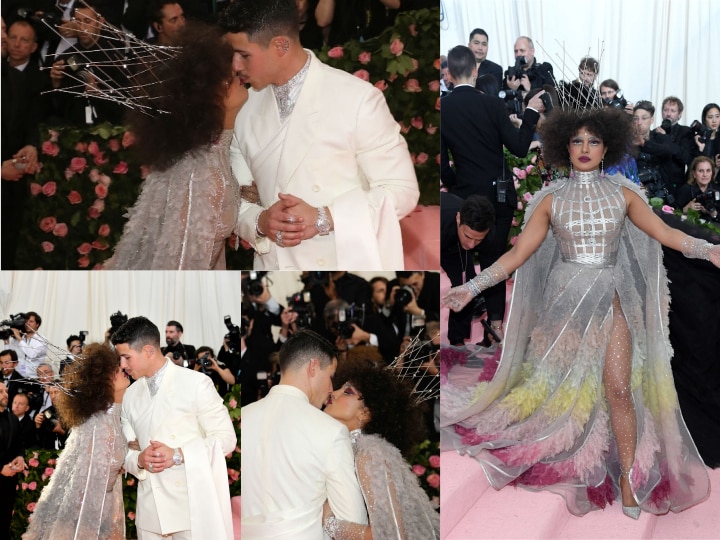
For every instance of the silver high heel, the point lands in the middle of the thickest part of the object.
(630, 511)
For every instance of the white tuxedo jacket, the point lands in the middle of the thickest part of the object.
(339, 148)
(186, 412)
(294, 458)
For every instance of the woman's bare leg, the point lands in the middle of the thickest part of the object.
(616, 379)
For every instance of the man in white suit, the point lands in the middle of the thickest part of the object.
(332, 172)
(183, 432)
(296, 457)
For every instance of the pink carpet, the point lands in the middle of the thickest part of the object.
(421, 238)
(472, 510)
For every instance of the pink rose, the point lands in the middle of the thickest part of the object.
(32, 486)
(434, 86)
(104, 229)
(416, 122)
(516, 183)
(47, 224)
(434, 461)
(60, 230)
(69, 174)
(437, 104)
(396, 47)
(233, 474)
(49, 471)
(122, 167)
(49, 189)
(24, 486)
(416, 65)
(81, 147)
(403, 128)
(93, 148)
(514, 222)
(94, 175)
(74, 197)
(100, 159)
(521, 174)
(667, 209)
(529, 169)
(100, 245)
(381, 85)
(128, 139)
(50, 148)
(422, 157)
(130, 481)
(53, 135)
(520, 205)
(47, 247)
(84, 248)
(527, 196)
(78, 164)
(364, 57)
(433, 480)
(84, 261)
(99, 205)
(362, 74)
(513, 240)
(101, 191)
(131, 515)
(336, 52)
(114, 145)
(31, 506)
(412, 30)
(419, 470)
(51, 461)
(232, 403)
(436, 64)
(35, 188)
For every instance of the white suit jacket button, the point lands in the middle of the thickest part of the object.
(321, 262)
(316, 187)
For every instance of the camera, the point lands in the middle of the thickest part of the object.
(654, 185)
(82, 334)
(318, 277)
(547, 101)
(252, 285)
(700, 129)
(403, 296)
(80, 69)
(206, 363)
(117, 319)
(15, 321)
(618, 101)
(233, 335)
(666, 126)
(51, 419)
(300, 303)
(513, 101)
(517, 70)
(349, 316)
(48, 19)
(709, 200)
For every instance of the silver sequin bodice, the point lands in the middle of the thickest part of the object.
(587, 219)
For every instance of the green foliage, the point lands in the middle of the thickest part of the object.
(425, 461)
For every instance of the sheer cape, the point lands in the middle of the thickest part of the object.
(542, 422)
(183, 215)
(84, 496)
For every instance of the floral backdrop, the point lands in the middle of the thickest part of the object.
(88, 178)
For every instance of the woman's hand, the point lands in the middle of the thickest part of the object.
(715, 255)
(457, 297)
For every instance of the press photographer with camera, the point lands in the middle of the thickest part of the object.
(527, 73)
(705, 134)
(49, 431)
(178, 352)
(221, 374)
(30, 348)
(612, 96)
(700, 193)
(678, 140)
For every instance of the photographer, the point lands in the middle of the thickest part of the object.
(30, 348)
(678, 139)
(326, 286)
(179, 353)
(221, 374)
(706, 134)
(612, 96)
(527, 73)
(700, 193)
(653, 154)
(75, 345)
(49, 431)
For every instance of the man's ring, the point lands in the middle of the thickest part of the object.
(150, 467)
(278, 238)
(290, 219)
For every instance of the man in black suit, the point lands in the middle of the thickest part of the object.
(464, 224)
(21, 409)
(12, 380)
(12, 461)
(475, 127)
(534, 74)
(478, 44)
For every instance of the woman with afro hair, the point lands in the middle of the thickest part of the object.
(582, 402)
(383, 422)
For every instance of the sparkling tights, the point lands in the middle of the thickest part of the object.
(616, 379)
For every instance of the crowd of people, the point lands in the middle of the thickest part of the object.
(55, 401)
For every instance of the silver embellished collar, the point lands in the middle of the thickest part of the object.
(354, 434)
(586, 177)
(286, 95)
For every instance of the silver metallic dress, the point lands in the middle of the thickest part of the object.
(183, 215)
(83, 499)
(543, 420)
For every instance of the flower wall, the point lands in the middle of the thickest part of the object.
(88, 180)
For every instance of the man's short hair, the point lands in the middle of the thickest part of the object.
(71, 339)
(176, 324)
(478, 31)
(478, 213)
(155, 9)
(530, 43)
(38, 319)
(382, 279)
(261, 20)
(645, 105)
(676, 101)
(23, 22)
(12, 353)
(47, 365)
(589, 63)
(405, 274)
(202, 350)
(303, 346)
(461, 62)
(23, 394)
(136, 333)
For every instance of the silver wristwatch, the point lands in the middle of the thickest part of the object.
(322, 223)
(177, 457)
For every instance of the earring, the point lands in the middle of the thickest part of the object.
(572, 171)
(602, 168)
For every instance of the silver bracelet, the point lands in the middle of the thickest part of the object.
(258, 232)
(492, 275)
(331, 526)
(694, 248)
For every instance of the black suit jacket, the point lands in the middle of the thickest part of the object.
(16, 386)
(474, 129)
(491, 68)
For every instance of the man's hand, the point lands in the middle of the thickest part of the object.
(536, 102)
(56, 73)
(305, 213)
(156, 458)
(358, 336)
(10, 172)
(279, 219)
(512, 82)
